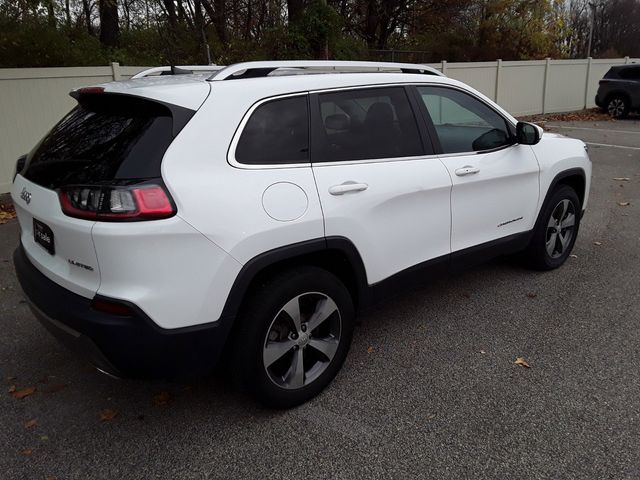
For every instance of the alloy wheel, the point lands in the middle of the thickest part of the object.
(302, 340)
(616, 107)
(560, 228)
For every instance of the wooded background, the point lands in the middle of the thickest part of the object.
(39, 33)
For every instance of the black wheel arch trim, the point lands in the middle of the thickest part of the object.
(617, 93)
(254, 267)
(571, 172)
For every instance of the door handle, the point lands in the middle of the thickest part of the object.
(467, 170)
(347, 187)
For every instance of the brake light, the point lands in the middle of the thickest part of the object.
(118, 203)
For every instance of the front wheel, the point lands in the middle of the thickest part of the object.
(556, 230)
(294, 336)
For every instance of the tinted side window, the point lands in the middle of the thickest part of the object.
(462, 122)
(277, 132)
(366, 124)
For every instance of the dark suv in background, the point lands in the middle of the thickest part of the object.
(619, 90)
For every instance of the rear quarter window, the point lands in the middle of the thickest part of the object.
(277, 132)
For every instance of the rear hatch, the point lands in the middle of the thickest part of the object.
(88, 168)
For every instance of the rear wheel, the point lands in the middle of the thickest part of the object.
(556, 230)
(294, 336)
(618, 106)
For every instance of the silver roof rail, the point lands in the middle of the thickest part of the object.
(178, 70)
(262, 69)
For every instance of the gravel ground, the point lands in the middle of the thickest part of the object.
(429, 390)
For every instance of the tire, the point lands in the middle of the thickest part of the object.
(268, 346)
(550, 248)
(617, 106)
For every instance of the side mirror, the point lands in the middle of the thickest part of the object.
(528, 133)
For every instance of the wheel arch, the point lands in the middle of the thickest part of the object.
(575, 178)
(337, 255)
(617, 93)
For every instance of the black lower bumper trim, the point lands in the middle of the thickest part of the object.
(132, 346)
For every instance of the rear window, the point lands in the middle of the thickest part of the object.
(105, 139)
(630, 73)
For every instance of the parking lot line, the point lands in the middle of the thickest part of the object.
(594, 129)
(612, 146)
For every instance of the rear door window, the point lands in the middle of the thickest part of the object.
(363, 124)
(277, 132)
(105, 138)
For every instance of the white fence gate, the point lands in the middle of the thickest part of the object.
(32, 100)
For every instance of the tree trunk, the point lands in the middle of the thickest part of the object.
(295, 9)
(86, 7)
(171, 14)
(67, 11)
(109, 28)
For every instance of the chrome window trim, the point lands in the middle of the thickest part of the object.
(231, 159)
(231, 153)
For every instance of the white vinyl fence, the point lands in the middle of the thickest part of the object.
(32, 100)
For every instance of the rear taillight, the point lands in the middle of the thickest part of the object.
(117, 203)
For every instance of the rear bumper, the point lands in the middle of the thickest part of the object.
(131, 346)
(599, 102)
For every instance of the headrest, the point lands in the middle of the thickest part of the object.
(379, 112)
(339, 121)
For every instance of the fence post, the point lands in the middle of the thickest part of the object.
(626, 59)
(443, 69)
(587, 83)
(498, 73)
(115, 71)
(544, 85)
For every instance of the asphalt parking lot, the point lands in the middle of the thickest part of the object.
(429, 390)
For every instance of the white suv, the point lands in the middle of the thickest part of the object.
(254, 209)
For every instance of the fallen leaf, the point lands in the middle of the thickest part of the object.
(624, 204)
(532, 295)
(107, 415)
(26, 452)
(371, 350)
(25, 392)
(12, 388)
(31, 424)
(621, 179)
(522, 362)
(573, 256)
(6, 216)
(162, 399)
(56, 387)
(597, 243)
